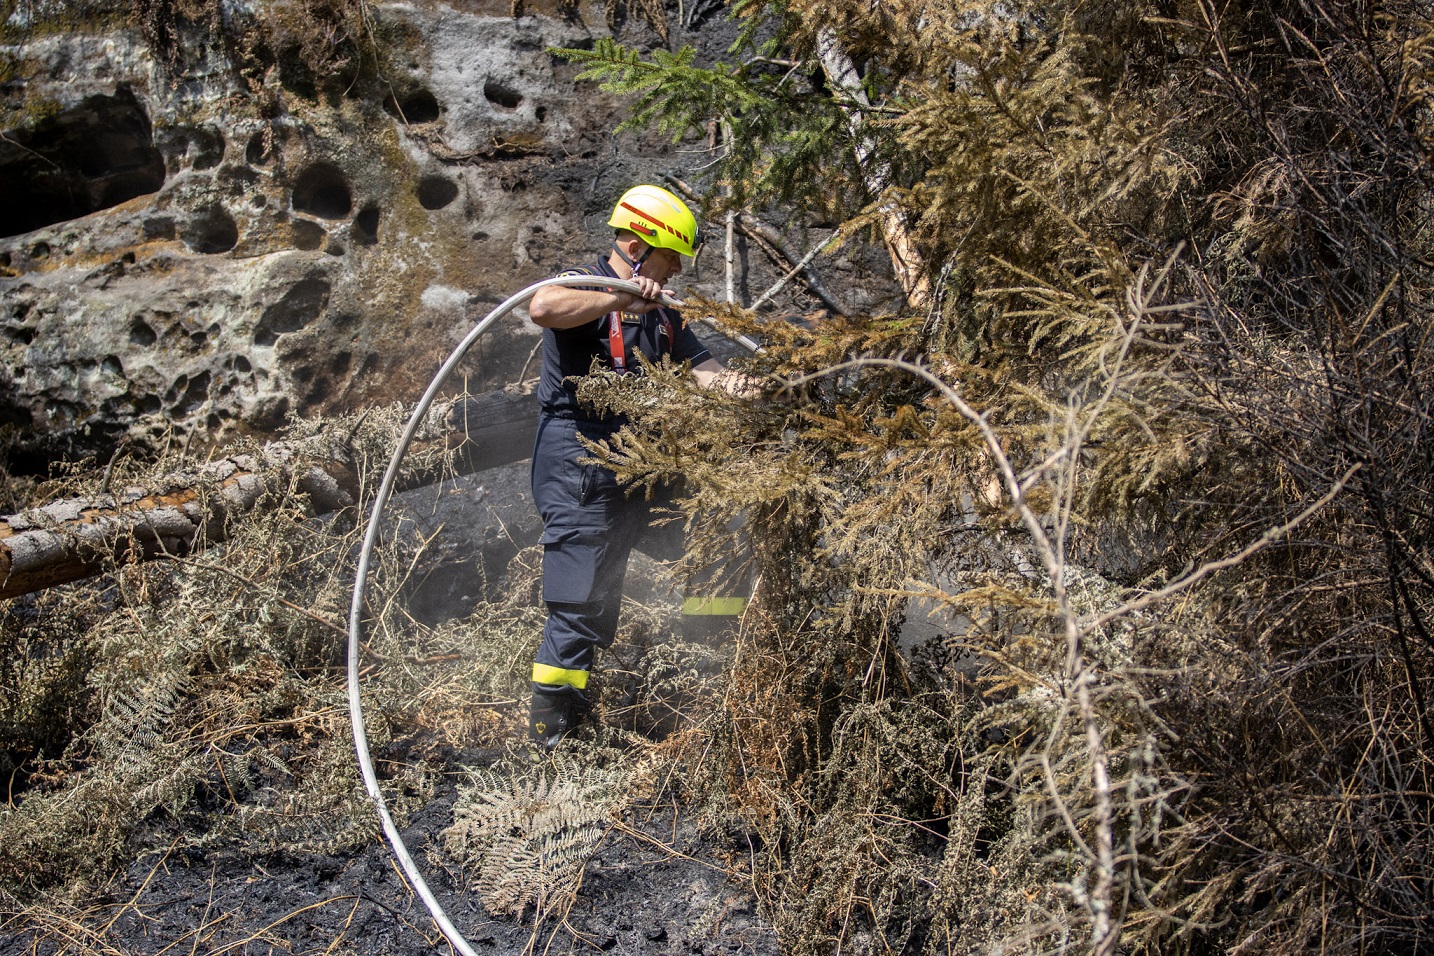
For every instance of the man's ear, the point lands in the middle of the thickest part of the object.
(634, 246)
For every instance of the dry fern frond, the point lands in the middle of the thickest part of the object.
(521, 838)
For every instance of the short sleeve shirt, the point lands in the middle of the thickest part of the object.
(569, 353)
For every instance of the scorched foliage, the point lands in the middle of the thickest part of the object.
(1156, 444)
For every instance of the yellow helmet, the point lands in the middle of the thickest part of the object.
(659, 218)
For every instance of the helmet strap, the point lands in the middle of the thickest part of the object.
(635, 266)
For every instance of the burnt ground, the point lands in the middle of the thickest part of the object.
(655, 887)
(644, 893)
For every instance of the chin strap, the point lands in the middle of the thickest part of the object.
(636, 267)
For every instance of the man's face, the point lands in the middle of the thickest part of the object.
(662, 265)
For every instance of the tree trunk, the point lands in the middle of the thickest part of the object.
(906, 258)
(73, 539)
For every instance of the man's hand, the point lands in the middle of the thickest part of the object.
(711, 373)
(649, 299)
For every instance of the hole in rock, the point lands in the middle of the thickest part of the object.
(365, 231)
(141, 334)
(323, 190)
(296, 72)
(500, 95)
(301, 304)
(211, 231)
(90, 157)
(260, 148)
(191, 393)
(207, 149)
(435, 192)
(416, 106)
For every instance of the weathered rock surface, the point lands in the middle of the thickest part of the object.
(204, 255)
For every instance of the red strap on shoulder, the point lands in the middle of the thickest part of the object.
(614, 341)
(619, 350)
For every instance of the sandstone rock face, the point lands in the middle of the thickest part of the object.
(201, 256)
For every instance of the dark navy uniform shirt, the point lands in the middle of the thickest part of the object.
(570, 352)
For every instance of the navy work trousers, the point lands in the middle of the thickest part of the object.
(590, 526)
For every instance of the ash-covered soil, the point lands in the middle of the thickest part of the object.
(656, 884)
(658, 888)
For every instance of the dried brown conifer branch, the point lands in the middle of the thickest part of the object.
(1081, 672)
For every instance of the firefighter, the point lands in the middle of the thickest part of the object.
(590, 524)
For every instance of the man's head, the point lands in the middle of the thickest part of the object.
(656, 263)
(658, 218)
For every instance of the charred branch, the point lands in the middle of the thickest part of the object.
(69, 540)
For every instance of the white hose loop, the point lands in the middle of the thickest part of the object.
(420, 411)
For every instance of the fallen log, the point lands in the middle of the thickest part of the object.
(69, 540)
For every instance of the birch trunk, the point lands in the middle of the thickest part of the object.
(906, 258)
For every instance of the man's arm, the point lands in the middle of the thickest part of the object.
(563, 307)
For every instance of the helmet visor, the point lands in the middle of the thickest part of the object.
(698, 238)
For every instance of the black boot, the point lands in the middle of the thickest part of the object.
(553, 714)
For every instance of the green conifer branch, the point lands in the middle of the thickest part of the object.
(783, 142)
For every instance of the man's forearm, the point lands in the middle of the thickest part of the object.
(560, 308)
